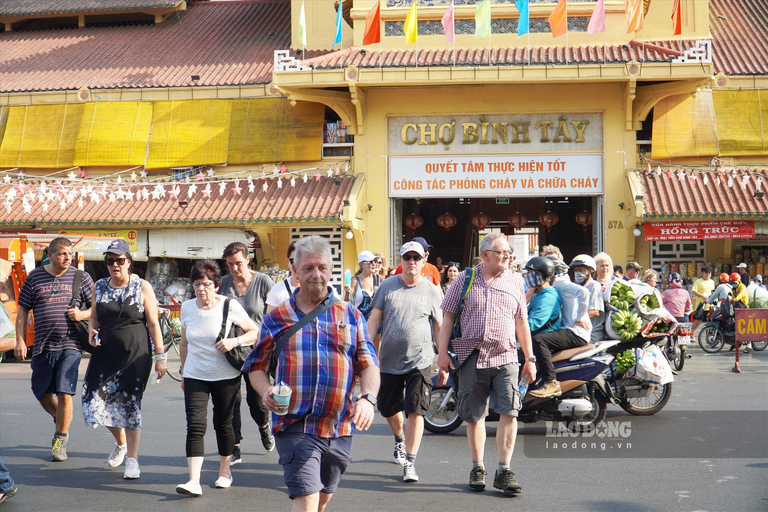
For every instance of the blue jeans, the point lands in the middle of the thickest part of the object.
(6, 482)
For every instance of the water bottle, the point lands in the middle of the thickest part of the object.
(523, 387)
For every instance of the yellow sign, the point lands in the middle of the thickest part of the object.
(129, 235)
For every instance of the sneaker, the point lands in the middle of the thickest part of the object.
(266, 438)
(409, 472)
(5, 496)
(59, 448)
(132, 471)
(237, 458)
(400, 455)
(117, 456)
(506, 482)
(477, 479)
(223, 482)
(189, 489)
(548, 390)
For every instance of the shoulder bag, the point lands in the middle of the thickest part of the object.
(237, 355)
(469, 280)
(81, 327)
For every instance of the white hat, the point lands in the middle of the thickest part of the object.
(412, 247)
(365, 256)
(741, 265)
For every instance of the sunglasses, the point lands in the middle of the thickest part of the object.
(112, 261)
(377, 261)
(414, 257)
(290, 260)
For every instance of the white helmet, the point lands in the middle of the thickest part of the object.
(584, 260)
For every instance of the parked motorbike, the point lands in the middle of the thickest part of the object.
(720, 330)
(677, 345)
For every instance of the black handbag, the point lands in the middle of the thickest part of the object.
(237, 355)
(81, 328)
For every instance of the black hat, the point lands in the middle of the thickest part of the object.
(118, 246)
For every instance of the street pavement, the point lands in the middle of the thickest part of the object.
(692, 469)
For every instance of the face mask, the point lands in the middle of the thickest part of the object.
(533, 279)
(734, 285)
(580, 277)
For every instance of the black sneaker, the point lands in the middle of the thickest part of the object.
(237, 458)
(477, 479)
(506, 482)
(266, 438)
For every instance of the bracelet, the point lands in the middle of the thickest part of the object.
(162, 356)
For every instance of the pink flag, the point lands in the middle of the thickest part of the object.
(597, 21)
(448, 24)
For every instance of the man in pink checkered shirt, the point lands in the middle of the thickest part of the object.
(494, 316)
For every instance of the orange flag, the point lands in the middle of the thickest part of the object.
(558, 20)
(372, 32)
(634, 11)
(677, 24)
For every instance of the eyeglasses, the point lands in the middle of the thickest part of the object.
(414, 257)
(112, 261)
(202, 286)
(503, 253)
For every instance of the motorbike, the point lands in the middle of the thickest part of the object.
(719, 330)
(677, 345)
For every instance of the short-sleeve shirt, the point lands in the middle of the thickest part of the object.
(704, 287)
(48, 298)
(428, 270)
(255, 295)
(489, 318)
(596, 302)
(677, 301)
(280, 292)
(545, 305)
(406, 337)
(202, 328)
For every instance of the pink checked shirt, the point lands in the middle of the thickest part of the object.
(489, 315)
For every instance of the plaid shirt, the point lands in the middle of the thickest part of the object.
(488, 317)
(319, 363)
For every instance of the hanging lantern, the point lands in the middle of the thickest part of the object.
(517, 220)
(549, 219)
(584, 218)
(446, 221)
(481, 220)
(413, 221)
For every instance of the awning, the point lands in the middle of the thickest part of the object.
(93, 247)
(742, 122)
(193, 243)
(41, 136)
(114, 133)
(683, 126)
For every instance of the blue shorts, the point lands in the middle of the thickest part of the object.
(310, 463)
(55, 371)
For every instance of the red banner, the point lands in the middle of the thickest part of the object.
(751, 324)
(708, 230)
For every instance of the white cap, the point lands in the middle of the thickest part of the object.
(365, 256)
(412, 247)
(741, 265)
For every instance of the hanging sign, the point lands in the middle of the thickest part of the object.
(709, 230)
(129, 235)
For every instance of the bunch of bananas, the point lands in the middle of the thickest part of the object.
(650, 301)
(626, 324)
(622, 296)
(624, 361)
(661, 326)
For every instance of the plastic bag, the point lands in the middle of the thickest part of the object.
(651, 366)
(654, 317)
(6, 325)
(641, 293)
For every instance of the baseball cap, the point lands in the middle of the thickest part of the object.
(423, 242)
(118, 246)
(365, 256)
(412, 246)
(634, 266)
(741, 265)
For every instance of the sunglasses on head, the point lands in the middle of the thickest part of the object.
(414, 257)
(111, 261)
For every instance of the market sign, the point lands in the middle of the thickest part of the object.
(710, 230)
(511, 175)
(129, 235)
(751, 325)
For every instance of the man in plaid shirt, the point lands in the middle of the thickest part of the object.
(494, 316)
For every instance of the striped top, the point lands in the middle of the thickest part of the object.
(320, 363)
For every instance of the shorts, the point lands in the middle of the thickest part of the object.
(310, 463)
(55, 371)
(477, 385)
(409, 392)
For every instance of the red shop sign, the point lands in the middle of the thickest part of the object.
(708, 230)
(751, 324)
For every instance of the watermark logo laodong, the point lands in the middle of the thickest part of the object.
(602, 430)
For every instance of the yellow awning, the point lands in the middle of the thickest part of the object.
(271, 130)
(742, 122)
(189, 132)
(41, 136)
(684, 126)
(114, 133)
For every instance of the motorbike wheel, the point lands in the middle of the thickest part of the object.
(759, 346)
(678, 359)
(711, 340)
(442, 422)
(589, 423)
(648, 405)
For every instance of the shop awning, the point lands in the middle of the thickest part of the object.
(114, 133)
(742, 122)
(684, 125)
(701, 194)
(41, 136)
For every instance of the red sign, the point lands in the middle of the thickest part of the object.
(708, 230)
(752, 325)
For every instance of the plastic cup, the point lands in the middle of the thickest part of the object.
(282, 395)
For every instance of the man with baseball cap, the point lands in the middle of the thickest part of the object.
(429, 270)
(633, 271)
(741, 268)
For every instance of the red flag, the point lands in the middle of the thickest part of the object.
(677, 23)
(372, 32)
(558, 20)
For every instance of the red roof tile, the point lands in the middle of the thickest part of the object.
(740, 43)
(32, 7)
(311, 201)
(665, 197)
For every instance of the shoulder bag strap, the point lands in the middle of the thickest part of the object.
(74, 301)
(287, 285)
(223, 331)
(469, 280)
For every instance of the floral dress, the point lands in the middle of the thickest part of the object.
(119, 368)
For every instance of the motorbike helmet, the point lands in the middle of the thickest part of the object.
(734, 277)
(674, 276)
(723, 278)
(584, 260)
(540, 264)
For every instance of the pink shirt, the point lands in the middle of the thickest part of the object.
(489, 316)
(677, 301)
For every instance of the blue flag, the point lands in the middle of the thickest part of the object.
(337, 39)
(523, 24)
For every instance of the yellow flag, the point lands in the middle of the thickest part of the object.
(410, 27)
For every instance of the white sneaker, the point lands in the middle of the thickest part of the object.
(223, 482)
(131, 469)
(190, 489)
(400, 455)
(117, 456)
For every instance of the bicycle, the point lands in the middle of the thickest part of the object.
(171, 341)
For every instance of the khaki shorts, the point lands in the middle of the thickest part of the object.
(478, 385)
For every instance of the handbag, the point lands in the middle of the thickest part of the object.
(81, 327)
(237, 355)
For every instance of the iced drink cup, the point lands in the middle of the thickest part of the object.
(282, 395)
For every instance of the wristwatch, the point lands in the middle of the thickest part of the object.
(532, 359)
(367, 396)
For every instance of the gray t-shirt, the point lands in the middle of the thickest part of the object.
(254, 297)
(406, 337)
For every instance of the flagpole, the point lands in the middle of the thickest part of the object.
(453, 25)
(605, 37)
(566, 31)
(529, 47)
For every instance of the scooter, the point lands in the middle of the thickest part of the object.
(677, 345)
(582, 405)
(719, 331)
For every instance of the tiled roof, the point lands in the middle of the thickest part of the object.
(739, 29)
(225, 43)
(32, 7)
(671, 197)
(314, 200)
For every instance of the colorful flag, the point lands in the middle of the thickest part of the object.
(558, 20)
(372, 32)
(523, 21)
(302, 26)
(448, 22)
(597, 21)
(411, 25)
(337, 39)
(483, 20)
(677, 22)
(634, 11)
